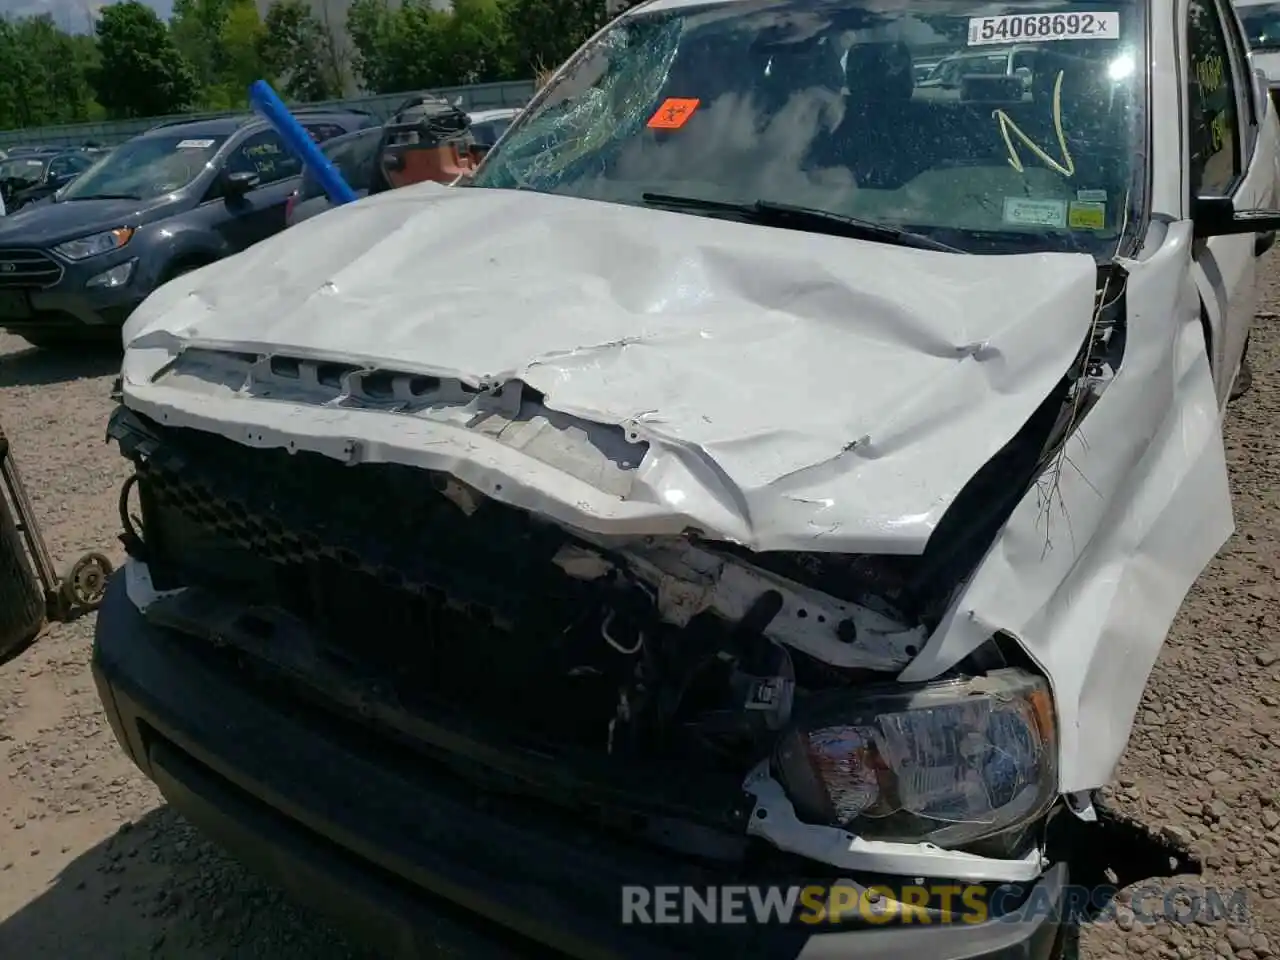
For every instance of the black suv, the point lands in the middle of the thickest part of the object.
(34, 174)
(173, 199)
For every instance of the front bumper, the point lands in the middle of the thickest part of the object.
(44, 293)
(415, 864)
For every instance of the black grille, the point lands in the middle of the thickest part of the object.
(28, 268)
(388, 574)
(383, 567)
(416, 611)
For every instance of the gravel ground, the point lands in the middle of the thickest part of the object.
(93, 866)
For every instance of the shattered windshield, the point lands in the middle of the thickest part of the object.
(144, 168)
(1261, 26)
(1023, 137)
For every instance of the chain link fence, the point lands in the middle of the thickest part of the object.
(480, 96)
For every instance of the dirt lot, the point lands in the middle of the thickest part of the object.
(93, 866)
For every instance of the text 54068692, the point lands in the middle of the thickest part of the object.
(1041, 27)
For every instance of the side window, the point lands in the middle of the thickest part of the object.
(340, 157)
(1240, 56)
(1213, 122)
(61, 167)
(265, 154)
(364, 156)
(320, 132)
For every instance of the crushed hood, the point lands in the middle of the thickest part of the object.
(797, 391)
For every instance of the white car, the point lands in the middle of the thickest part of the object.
(756, 469)
(1261, 22)
(488, 125)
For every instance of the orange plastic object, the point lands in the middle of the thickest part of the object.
(443, 164)
(674, 113)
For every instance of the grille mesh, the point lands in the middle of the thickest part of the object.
(28, 268)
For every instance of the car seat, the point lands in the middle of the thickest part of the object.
(780, 71)
(877, 139)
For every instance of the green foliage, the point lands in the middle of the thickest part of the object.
(301, 53)
(205, 58)
(414, 45)
(140, 73)
(545, 32)
(43, 73)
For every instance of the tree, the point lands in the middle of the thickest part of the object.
(378, 36)
(196, 29)
(240, 39)
(43, 78)
(417, 46)
(544, 33)
(141, 73)
(476, 42)
(300, 52)
(220, 39)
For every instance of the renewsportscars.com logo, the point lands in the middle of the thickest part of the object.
(922, 904)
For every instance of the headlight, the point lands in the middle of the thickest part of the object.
(91, 246)
(948, 763)
(116, 276)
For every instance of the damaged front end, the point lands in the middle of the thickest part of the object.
(683, 690)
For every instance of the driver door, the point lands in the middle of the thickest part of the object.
(260, 212)
(1227, 157)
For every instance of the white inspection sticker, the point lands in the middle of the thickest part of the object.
(1035, 213)
(194, 144)
(1041, 27)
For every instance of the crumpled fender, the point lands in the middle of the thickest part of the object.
(1091, 568)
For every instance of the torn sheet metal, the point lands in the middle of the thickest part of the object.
(797, 391)
(1093, 565)
(688, 580)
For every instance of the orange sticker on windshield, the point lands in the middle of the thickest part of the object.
(674, 113)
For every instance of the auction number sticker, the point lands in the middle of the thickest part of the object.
(1035, 213)
(1039, 27)
(195, 144)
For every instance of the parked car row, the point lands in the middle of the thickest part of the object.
(761, 473)
(31, 174)
(358, 157)
(90, 235)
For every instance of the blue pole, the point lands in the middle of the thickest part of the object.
(265, 101)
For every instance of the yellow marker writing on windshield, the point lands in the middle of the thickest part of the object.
(1068, 167)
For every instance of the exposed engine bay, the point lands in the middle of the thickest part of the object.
(680, 661)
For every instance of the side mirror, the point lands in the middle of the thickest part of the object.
(240, 182)
(1218, 217)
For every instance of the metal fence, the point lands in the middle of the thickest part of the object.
(480, 96)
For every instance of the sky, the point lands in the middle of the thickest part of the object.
(73, 15)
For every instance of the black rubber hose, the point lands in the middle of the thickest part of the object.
(134, 545)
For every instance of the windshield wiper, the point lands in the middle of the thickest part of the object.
(103, 196)
(769, 213)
